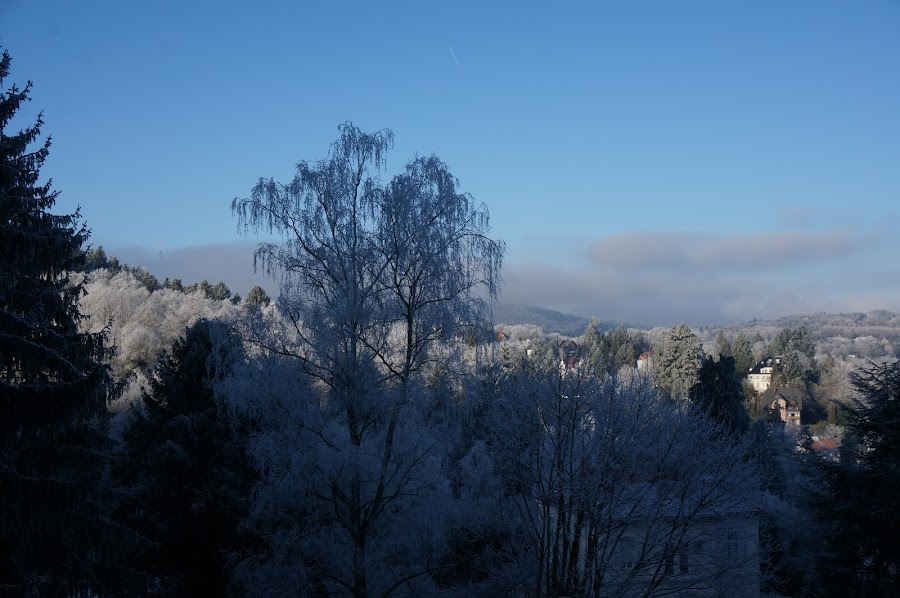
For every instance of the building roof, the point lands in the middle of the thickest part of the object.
(824, 444)
(768, 362)
(792, 397)
(757, 369)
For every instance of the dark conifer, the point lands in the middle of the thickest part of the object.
(185, 469)
(53, 388)
(859, 502)
(719, 392)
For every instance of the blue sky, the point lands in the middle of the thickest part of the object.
(648, 162)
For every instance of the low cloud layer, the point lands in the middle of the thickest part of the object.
(704, 252)
(230, 262)
(658, 278)
(644, 278)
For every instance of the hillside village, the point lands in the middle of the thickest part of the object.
(835, 343)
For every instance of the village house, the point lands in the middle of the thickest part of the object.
(711, 552)
(717, 556)
(826, 448)
(784, 404)
(760, 377)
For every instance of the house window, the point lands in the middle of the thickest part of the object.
(689, 559)
(669, 563)
(627, 553)
(732, 547)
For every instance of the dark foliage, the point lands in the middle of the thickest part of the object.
(860, 499)
(185, 469)
(95, 258)
(743, 355)
(473, 555)
(217, 292)
(719, 392)
(608, 352)
(53, 390)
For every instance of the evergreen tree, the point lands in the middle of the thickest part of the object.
(788, 529)
(677, 362)
(53, 390)
(591, 335)
(219, 291)
(742, 351)
(150, 282)
(719, 392)
(608, 352)
(797, 349)
(95, 258)
(257, 297)
(185, 470)
(859, 502)
(723, 347)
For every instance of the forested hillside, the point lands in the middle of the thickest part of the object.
(550, 321)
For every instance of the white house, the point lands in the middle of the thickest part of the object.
(711, 552)
(760, 376)
(715, 556)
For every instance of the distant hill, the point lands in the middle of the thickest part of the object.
(846, 337)
(878, 324)
(550, 320)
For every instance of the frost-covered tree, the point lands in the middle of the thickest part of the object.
(317, 489)
(360, 262)
(618, 490)
(677, 362)
(150, 282)
(439, 259)
(142, 324)
(359, 257)
(722, 346)
(328, 262)
(53, 385)
(257, 297)
(608, 352)
(797, 350)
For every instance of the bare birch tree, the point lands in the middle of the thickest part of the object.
(358, 259)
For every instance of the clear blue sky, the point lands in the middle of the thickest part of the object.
(706, 161)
